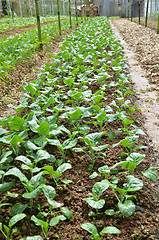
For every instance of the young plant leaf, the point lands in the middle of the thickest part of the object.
(89, 227)
(150, 173)
(18, 208)
(16, 219)
(6, 186)
(127, 208)
(54, 221)
(100, 187)
(67, 212)
(110, 230)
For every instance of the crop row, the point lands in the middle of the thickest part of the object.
(6, 24)
(16, 48)
(79, 104)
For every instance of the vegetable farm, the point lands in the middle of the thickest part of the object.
(75, 161)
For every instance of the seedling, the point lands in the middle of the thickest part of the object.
(92, 140)
(7, 230)
(91, 228)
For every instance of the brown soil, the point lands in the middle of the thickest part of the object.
(151, 23)
(145, 43)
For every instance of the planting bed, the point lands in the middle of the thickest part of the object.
(75, 161)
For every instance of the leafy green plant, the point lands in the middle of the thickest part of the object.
(91, 228)
(58, 173)
(133, 184)
(46, 227)
(7, 230)
(92, 140)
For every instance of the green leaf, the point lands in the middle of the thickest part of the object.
(75, 115)
(17, 123)
(89, 227)
(110, 230)
(41, 223)
(93, 175)
(31, 89)
(17, 173)
(49, 192)
(67, 144)
(54, 203)
(136, 157)
(97, 204)
(16, 219)
(6, 186)
(35, 193)
(67, 212)
(18, 208)
(54, 221)
(43, 128)
(62, 168)
(41, 154)
(104, 169)
(3, 131)
(101, 147)
(24, 160)
(150, 173)
(127, 208)
(100, 187)
(37, 237)
(134, 184)
(110, 212)
(15, 140)
(126, 164)
(111, 136)
(93, 139)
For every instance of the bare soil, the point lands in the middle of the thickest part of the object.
(145, 43)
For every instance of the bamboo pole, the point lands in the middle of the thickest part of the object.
(10, 11)
(38, 23)
(76, 12)
(131, 10)
(147, 13)
(158, 24)
(125, 7)
(70, 13)
(59, 20)
(30, 6)
(139, 6)
(84, 9)
(20, 7)
(81, 13)
(128, 8)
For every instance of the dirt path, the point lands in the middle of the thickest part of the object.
(145, 43)
(144, 69)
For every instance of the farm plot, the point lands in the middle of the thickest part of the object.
(7, 25)
(15, 49)
(75, 161)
